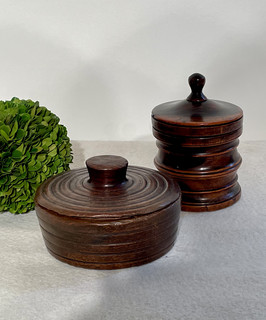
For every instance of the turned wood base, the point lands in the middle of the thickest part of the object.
(208, 191)
(111, 266)
(192, 207)
(109, 244)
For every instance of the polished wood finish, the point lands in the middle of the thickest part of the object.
(197, 143)
(114, 217)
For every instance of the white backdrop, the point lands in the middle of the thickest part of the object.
(102, 65)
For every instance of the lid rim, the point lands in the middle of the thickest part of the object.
(197, 124)
(208, 113)
(104, 216)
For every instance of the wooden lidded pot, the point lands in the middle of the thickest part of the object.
(197, 140)
(116, 216)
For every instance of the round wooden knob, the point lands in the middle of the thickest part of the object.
(107, 171)
(196, 82)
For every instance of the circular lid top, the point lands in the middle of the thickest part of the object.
(111, 190)
(197, 110)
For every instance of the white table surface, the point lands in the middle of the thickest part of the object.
(216, 270)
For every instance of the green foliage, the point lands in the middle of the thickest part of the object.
(33, 147)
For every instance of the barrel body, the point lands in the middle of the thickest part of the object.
(204, 161)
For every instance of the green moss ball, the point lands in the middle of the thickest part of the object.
(33, 147)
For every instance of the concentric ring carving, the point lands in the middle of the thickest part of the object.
(71, 194)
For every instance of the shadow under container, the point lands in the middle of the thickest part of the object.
(116, 216)
(197, 141)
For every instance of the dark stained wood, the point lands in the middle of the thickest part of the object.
(197, 110)
(114, 217)
(107, 171)
(197, 143)
(196, 82)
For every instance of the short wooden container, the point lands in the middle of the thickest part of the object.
(114, 217)
(197, 140)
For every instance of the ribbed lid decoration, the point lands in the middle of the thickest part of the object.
(112, 189)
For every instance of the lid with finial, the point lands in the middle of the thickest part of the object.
(108, 188)
(197, 110)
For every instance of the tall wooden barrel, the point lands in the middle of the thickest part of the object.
(197, 141)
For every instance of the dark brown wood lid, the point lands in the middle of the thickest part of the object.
(111, 190)
(197, 110)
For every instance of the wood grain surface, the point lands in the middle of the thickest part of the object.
(116, 216)
(197, 143)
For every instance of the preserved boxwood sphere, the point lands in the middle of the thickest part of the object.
(33, 147)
